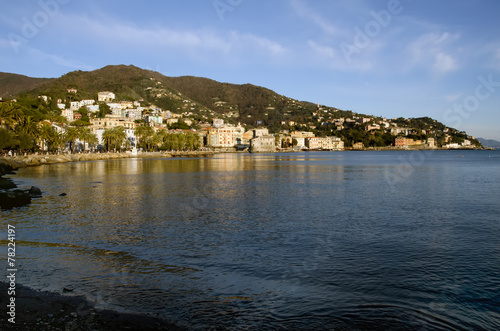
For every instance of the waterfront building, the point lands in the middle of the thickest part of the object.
(263, 144)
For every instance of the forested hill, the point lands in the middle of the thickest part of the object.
(202, 99)
(12, 84)
(245, 103)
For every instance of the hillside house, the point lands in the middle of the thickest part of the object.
(106, 96)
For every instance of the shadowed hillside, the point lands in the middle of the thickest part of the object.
(246, 103)
(12, 84)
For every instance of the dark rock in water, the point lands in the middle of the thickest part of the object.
(16, 198)
(62, 194)
(6, 184)
(35, 192)
(6, 169)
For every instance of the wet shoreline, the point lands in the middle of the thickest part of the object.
(38, 310)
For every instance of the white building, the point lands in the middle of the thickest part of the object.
(157, 119)
(106, 97)
(260, 132)
(116, 109)
(134, 114)
(218, 123)
(74, 105)
(68, 113)
(87, 102)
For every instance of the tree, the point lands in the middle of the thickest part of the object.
(10, 114)
(47, 134)
(120, 136)
(107, 135)
(144, 133)
(57, 141)
(92, 140)
(179, 126)
(8, 139)
(104, 110)
(29, 126)
(86, 135)
(115, 136)
(71, 135)
(25, 142)
(59, 119)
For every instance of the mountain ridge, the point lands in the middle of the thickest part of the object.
(247, 101)
(490, 143)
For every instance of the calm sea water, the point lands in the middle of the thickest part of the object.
(346, 240)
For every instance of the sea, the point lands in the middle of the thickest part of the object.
(368, 240)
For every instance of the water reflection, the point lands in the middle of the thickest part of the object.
(271, 241)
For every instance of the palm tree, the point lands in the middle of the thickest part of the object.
(120, 136)
(92, 140)
(143, 132)
(61, 120)
(108, 136)
(85, 134)
(46, 134)
(57, 141)
(115, 136)
(71, 135)
(10, 114)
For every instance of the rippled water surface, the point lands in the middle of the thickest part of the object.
(347, 240)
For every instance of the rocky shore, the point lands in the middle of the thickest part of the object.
(36, 310)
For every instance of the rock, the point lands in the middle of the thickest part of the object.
(62, 194)
(16, 198)
(6, 184)
(35, 192)
(6, 169)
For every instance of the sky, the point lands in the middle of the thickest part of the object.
(389, 58)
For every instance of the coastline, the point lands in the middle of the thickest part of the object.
(11, 196)
(37, 310)
(12, 163)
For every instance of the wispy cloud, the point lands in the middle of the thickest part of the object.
(191, 42)
(304, 11)
(452, 97)
(491, 55)
(59, 60)
(334, 59)
(431, 51)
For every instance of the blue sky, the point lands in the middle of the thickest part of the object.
(390, 58)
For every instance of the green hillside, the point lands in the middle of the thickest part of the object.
(13, 84)
(202, 99)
